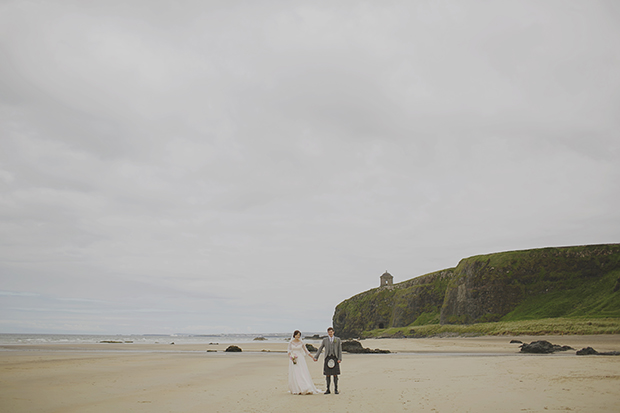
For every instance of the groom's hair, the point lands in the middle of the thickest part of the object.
(330, 328)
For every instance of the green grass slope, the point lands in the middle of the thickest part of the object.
(531, 284)
(545, 326)
(595, 299)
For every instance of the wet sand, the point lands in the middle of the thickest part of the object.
(479, 374)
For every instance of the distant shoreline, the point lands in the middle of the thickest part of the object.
(36, 338)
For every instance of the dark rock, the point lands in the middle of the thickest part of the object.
(352, 346)
(233, 349)
(587, 351)
(311, 348)
(543, 347)
(259, 338)
(111, 342)
(516, 341)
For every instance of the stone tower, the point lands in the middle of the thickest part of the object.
(386, 279)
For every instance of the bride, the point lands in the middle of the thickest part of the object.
(299, 380)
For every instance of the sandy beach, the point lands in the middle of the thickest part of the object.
(480, 374)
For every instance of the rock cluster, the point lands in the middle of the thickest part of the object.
(587, 351)
(543, 347)
(353, 346)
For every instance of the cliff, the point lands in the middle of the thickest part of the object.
(517, 285)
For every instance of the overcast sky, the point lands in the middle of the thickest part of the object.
(245, 166)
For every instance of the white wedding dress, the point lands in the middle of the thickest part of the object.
(299, 380)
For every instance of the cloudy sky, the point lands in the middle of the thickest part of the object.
(244, 166)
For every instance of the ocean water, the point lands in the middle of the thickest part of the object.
(140, 338)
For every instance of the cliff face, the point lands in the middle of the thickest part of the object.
(420, 298)
(540, 283)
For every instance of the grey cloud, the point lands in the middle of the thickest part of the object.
(202, 159)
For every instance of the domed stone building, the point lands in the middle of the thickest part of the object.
(386, 279)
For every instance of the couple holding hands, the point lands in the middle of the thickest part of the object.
(299, 380)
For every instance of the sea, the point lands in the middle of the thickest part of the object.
(14, 339)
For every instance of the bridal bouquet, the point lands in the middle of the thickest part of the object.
(294, 358)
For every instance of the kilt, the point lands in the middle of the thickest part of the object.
(331, 371)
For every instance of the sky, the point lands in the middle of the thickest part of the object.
(233, 166)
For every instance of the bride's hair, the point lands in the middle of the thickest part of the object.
(296, 332)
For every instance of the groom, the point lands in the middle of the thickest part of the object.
(333, 357)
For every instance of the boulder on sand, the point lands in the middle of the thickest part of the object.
(587, 351)
(353, 346)
(543, 347)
